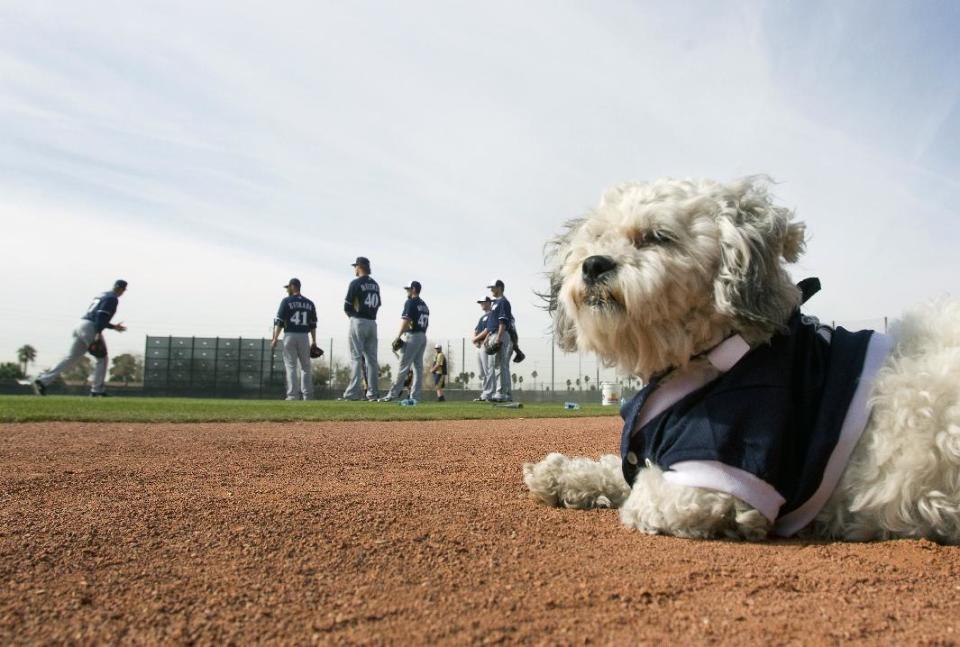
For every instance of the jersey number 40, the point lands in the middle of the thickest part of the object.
(372, 301)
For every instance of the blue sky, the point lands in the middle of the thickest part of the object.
(209, 151)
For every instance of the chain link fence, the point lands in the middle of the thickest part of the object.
(248, 367)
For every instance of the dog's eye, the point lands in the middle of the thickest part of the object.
(651, 237)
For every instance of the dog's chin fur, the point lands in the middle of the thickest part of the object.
(721, 273)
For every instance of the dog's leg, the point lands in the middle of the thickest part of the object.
(903, 479)
(577, 482)
(657, 506)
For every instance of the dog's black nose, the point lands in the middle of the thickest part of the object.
(596, 266)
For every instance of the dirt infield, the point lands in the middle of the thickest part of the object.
(400, 533)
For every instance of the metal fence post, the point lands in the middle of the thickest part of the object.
(553, 350)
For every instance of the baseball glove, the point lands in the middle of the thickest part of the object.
(519, 356)
(315, 351)
(97, 348)
(492, 344)
(397, 344)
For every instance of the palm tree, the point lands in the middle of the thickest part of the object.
(578, 384)
(534, 376)
(26, 355)
(569, 388)
(586, 379)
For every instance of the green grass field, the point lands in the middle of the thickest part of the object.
(83, 409)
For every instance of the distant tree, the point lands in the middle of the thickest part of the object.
(386, 373)
(513, 378)
(341, 373)
(520, 380)
(26, 355)
(578, 384)
(127, 368)
(10, 371)
(79, 372)
(321, 374)
(586, 379)
(534, 375)
(569, 387)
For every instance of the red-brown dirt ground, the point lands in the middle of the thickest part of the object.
(402, 533)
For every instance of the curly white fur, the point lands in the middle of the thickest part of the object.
(696, 261)
(904, 477)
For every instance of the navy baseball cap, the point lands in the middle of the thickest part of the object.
(293, 282)
(497, 283)
(485, 300)
(361, 260)
(120, 283)
(414, 285)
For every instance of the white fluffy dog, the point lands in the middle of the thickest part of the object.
(755, 419)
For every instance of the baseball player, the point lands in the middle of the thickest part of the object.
(498, 324)
(361, 305)
(411, 341)
(297, 318)
(88, 336)
(439, 371)
(479, 334)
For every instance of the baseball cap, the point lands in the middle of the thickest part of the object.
(440, 346)
(294, 282)
(414, 285)
(485, 300)
(496, 283)
(119, 283)
(361, 260)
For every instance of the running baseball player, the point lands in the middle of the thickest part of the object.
(411, 341)
(361, 305)
(439, 371)
(297, 318)
(479, 334)
(498, 365)
(88, 336)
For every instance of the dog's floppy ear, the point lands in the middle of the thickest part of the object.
(751, 285)
(555, 253)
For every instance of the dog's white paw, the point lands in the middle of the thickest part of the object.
(576, 482)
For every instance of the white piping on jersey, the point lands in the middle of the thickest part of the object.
(854, 422)
(696, 374)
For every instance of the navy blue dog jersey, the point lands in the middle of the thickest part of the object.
(417, 313)
(363, 298)
(788, 413)
(296, 314)
(101, 311)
